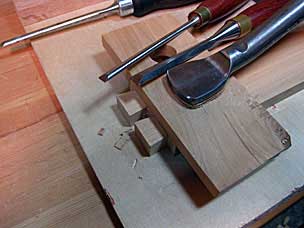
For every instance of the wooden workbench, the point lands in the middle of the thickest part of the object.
(46, 179)
(251, 199)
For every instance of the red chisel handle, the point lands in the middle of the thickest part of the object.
(257, 14)
(211, 10)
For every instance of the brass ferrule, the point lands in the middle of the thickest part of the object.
(204, 15)
(244, 23)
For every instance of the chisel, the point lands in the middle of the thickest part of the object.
(137, 8)
(234, 28)
(207, 12)
(196, 82)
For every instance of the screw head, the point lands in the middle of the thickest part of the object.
(285, 141)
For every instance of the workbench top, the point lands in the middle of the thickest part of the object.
(254, 201)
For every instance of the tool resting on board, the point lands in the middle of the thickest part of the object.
(196, 82)
(234, 28)
(207, 12)
(137, 8)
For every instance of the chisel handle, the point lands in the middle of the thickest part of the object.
(219, 8)
(211, 10)
(144, 7)
(255, 15)
(232, 30)
(261, 39)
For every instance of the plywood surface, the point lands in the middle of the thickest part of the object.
(226, 139)
(164, 190)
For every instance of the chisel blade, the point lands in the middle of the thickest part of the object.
(197, 81)
(155, 71)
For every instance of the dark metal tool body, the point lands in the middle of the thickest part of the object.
(233, 29)
(208, 11)
(196, 82)
(137, 8)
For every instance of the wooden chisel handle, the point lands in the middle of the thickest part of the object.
(264, 37)
(143, 7)
(255, 15)
(233, 29)
(213, 10)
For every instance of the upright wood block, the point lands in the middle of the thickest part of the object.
(131, 106)
(172, 147)
(224, 140)
(150, 134)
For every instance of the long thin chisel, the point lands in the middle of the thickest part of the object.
(208, 11)
(137, 8)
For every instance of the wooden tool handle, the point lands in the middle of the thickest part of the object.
(213, 10)
(255, 15)
(263, 10)
(265, 36)
(144, 7)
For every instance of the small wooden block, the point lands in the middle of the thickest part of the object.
(131, 106)
(150, 135)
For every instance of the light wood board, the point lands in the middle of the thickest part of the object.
(167, 188)
(223, 141)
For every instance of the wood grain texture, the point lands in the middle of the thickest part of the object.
(226, 139)
(164, 187)
(33, 11)
(24, 93)
(24, 182)
(148, 33)
(7, 7)
(45, 177)
(42, 172)
(277, 74)
(10, 26)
